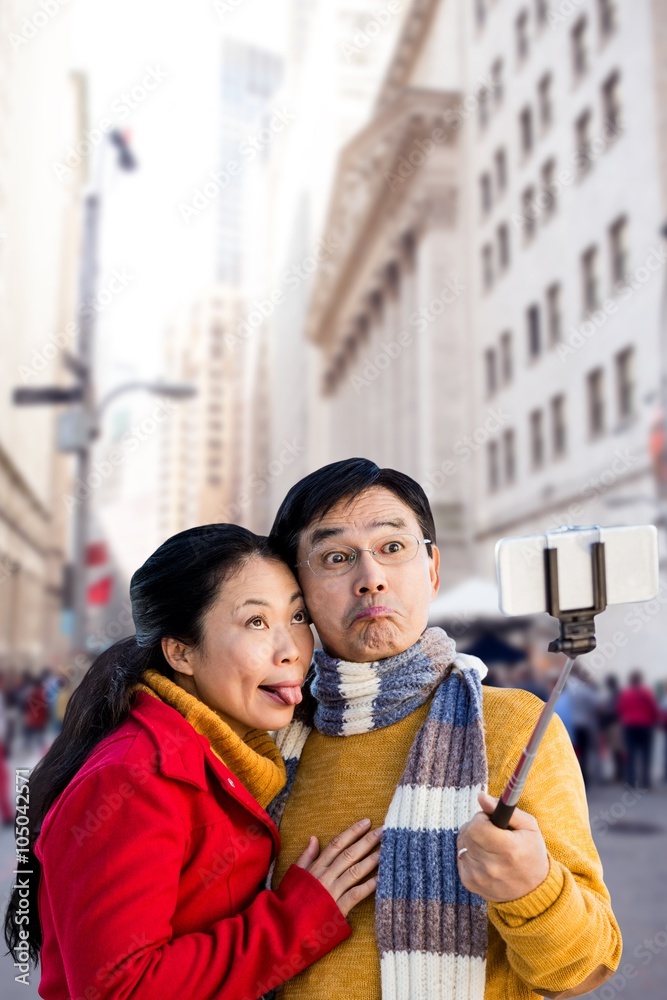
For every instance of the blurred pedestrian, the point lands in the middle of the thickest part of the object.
(663, 725)
(610, 728)
(6, 811)
(35, 715)
(12, 710)
(639, 715)
(584, 704)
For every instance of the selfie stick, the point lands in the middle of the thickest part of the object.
(577, 636)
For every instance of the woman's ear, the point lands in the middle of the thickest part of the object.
(178, 656)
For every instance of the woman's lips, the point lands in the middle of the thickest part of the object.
(374, 612)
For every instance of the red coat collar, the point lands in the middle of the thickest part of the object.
(181, 757)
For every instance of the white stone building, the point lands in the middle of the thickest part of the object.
(491, 320)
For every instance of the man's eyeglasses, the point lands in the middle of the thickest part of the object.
(334, 560)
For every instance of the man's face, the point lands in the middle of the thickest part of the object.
(372, 611)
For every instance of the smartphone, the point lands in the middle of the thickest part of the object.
(631, 567)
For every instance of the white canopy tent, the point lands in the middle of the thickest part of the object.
(476, 599)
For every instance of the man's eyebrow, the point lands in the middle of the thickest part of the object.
(320, 534)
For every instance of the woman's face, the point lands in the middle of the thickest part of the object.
(256, 649)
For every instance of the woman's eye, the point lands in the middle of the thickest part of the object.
(302, 617)
(256, 622)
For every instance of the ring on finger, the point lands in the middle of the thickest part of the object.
(462, 851)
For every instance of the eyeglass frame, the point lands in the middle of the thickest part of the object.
(357, 552)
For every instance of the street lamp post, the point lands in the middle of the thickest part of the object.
(79, 427)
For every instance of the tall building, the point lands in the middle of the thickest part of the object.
(339, 55)
(250, 78)
(206, 446)
(201, 444)
(491, 319)
(41, 111)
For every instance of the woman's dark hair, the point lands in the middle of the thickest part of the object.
(314, 496)
(170, 595)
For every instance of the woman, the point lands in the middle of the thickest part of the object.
(150, 843)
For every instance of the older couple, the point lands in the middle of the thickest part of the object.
(160, 871)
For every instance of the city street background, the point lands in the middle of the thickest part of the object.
(240, 239)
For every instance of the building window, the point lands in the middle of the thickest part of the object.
(579, 48)
(554, 315)
(558, 426)
(491, 371)
(618, 251)
(503, 236)
(528, 212)
(582, 130)
(506, 366)
(608, 17)
(541, 12)
(549, 188)
(497, 82)
(485, 193)
(493, 469)
(589, 280)
(500, 164)
(611, 105)
(526, 131)
(487, 266)
(537, 439)
(596, 403)
(484, 102)
(545, 101)
(521, 27)
(625, 384)
(509, 456)
(533, 332)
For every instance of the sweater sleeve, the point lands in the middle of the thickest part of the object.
(562, 938)
(113, 897)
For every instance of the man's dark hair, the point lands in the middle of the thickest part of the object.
(313, 497)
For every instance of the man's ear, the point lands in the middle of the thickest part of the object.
(434, 571)
(178, 656)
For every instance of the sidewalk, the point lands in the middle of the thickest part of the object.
(631, 835)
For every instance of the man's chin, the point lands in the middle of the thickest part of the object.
(377, 639)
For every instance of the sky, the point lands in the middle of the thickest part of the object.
(125, 48)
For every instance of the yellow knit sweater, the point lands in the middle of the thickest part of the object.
(546, 943)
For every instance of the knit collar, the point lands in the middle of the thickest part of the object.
(358, 697)
(255, 760)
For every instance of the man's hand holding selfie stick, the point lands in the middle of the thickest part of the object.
(502, 855)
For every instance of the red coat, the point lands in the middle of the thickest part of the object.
(153, 865)
(638, 706)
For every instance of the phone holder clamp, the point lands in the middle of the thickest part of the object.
(577, 626)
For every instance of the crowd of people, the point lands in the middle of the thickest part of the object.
(31, 714)
(615, 729)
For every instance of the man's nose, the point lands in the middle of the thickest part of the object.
(369, 575)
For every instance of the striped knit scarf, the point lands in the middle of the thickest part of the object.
(431, 932)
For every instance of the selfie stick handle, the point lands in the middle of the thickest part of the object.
(577, 636)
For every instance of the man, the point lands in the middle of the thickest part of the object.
(464, 909)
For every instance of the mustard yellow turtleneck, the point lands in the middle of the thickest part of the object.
(255, 760)
(557, 936)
